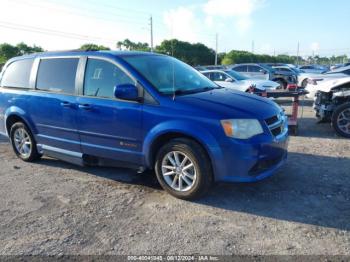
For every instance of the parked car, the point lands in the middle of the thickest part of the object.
(316, 79)
(141, 110)
(234, 80)
(332, 104)
(211, 67)
(302, 77)
(314, 69)
(261, 71)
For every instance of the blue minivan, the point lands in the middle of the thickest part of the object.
(139, 110)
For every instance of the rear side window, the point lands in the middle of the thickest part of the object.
(17, 74)
(240, 68)
(57, 75)
(254, 69)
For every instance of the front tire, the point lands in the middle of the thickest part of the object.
(282, 83)
(183, 169)
(23, 142)
(341, 120)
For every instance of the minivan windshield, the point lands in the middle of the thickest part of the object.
(169, 75)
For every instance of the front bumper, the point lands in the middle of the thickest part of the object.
(252, 161)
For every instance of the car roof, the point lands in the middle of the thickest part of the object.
(340, 69)
(82, 52)
(214, 70)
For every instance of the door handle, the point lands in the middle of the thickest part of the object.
(66, 104)
(85, 107)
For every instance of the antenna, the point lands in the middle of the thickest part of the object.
(216, 49)
(172, 54)
(151, 26)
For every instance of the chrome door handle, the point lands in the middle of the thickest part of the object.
(66, 104)
(85, 107)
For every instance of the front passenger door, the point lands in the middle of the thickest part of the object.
(108, 127)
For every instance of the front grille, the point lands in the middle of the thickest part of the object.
(271, 120)
(277, 124)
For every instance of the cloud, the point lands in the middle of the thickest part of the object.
(182, 23)
(315, 46)
(239, 10)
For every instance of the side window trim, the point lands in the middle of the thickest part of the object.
(82, 67)
(5, 68)
(35, 72)
(81, 71)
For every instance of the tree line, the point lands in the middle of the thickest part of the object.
(193, 54)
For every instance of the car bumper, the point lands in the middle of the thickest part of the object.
(253, 161)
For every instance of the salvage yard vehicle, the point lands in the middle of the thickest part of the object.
(143, 111)
(332, 104)
(234, 80)
(263, 71)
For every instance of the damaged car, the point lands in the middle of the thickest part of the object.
(332, 104)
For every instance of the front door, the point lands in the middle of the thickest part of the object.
(108, 127)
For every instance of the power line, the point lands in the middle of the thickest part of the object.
(53, 32)
(87, 13)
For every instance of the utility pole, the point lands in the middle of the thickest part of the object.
(216, 49)
(253, 46)
(298, 54)
(151, 25)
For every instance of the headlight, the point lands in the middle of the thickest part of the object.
(241, 128)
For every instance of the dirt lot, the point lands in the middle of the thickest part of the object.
(51, 207)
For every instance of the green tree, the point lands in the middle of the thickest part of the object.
(93, 47)
(193, 54)
(8, 51)
(135, 46)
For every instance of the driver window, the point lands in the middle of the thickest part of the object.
(218, 77)
(101, 77)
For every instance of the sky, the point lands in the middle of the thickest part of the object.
(263, 26)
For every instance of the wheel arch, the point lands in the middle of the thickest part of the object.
(15, 114)
(153, 143)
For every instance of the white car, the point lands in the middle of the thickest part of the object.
(302, 77)
(232, 79)
(325, 85)
(315, 80)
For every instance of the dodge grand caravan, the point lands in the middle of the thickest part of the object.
(143, 111)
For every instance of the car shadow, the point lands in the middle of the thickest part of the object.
(123, 175)
(310, 127)
(309, 189)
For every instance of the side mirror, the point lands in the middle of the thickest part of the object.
(230, 80)
(127, 92)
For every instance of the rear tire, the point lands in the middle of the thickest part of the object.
(341, 120)
(23, 142)
(304, 83)
(183, 169)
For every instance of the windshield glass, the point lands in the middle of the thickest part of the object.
(236, 75)
(169, 75)
(268, 68)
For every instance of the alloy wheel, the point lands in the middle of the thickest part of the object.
(178, 171)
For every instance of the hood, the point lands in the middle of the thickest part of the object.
(325, 76)
(260, 83)
(229, 103)
(328, 84)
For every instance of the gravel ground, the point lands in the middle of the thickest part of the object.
(51, 207)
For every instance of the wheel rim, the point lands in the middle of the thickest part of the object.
(22, 142)
(179, 171)
(343, 121)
